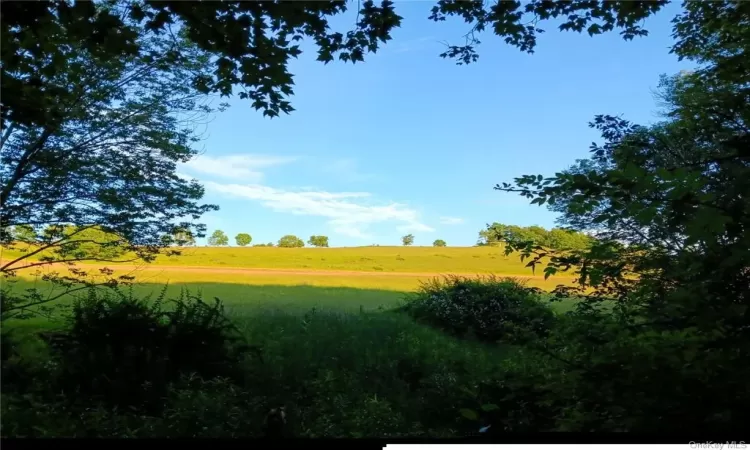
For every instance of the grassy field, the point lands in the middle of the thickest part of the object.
(334, 351)
(294, 294)
(343, 279)
(373, 259)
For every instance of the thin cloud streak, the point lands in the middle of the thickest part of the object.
(246, 167)
(345, 211)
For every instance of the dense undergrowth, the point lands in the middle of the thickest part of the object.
(129, 367)
(337, 375)
(490, 309)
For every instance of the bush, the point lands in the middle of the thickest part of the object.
(124, 351)
(318, 241)
(243, 239)
(490, 308)
(291, 241)
(593, 374)
(14, 371)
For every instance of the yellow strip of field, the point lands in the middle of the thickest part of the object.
(420, 260)
(363, 280)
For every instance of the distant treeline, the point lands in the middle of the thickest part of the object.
(556, 238)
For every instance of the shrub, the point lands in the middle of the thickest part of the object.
(218, 238)
(243, 239)
(291, 241)
(124, 351)
(439, 243)
(11, 363)
(318, 241)
(490, 308)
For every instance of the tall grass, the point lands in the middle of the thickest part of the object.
(372, 259)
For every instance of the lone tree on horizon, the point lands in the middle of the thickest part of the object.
(218, 239)
(439, 243)
(407, 240)
(291, 241)
(243, 239)
(318, 241)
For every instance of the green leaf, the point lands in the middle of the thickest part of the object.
(490, 407)
(469, 414)
(468, 391)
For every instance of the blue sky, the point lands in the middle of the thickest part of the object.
(408, 142)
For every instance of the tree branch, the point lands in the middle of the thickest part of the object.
(63, 261)
(41, 249)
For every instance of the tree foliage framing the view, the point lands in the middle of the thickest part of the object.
(253, 42)
(100, 100)
(103, 161)
(668, 202)
(670, 206)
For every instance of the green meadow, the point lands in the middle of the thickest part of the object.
(335, 279)
(470, 260)
(335, 352)
(247, 292)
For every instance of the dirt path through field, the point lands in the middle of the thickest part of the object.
(251, 271)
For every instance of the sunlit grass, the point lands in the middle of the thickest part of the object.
(245, 296)
(371, 259)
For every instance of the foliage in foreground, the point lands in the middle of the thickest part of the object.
(122, 351)
(670, 206)
(358, 375)
(492, 309)
(257, 41)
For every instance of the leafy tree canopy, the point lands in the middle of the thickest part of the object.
(439, 243)
(318, 241)
(251, 43)
(556, 238)
(407, 240)
(218, 238)
(290, 241)
(243, 239)
(103, 154)
(670, 206)
(183, 237)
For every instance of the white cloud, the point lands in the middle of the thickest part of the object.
(347, 212)
(347, 170)
(445, 220)
(184, 176)
(245, 166)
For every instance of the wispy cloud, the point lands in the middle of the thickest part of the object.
(447, 220)
(348, 213)
(348, 170)
(246, 167)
